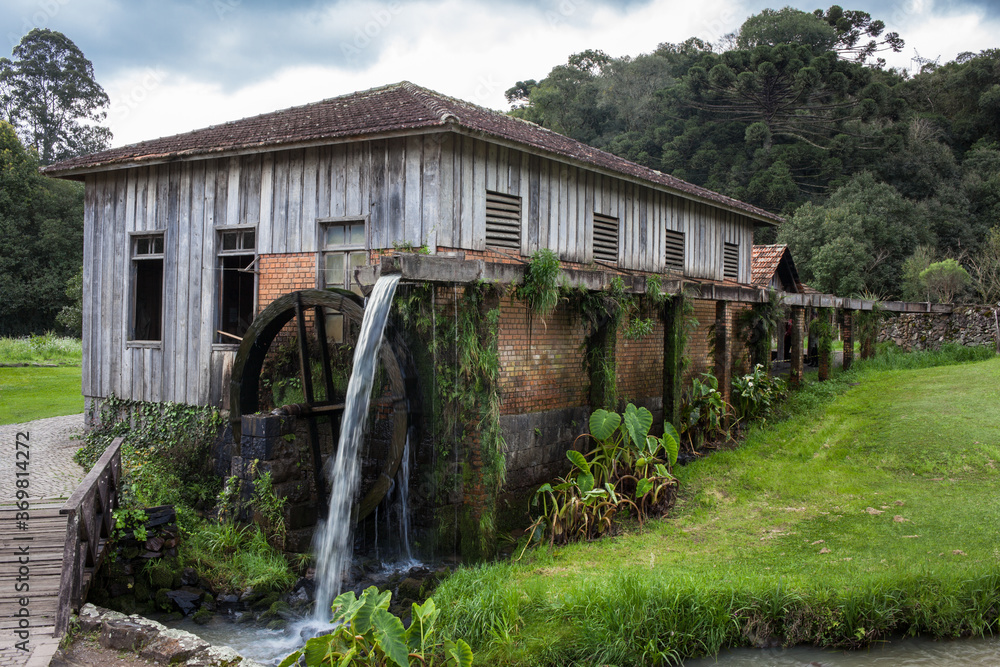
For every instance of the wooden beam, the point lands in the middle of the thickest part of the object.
(458, 269)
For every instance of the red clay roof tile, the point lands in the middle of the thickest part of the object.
(396, 108)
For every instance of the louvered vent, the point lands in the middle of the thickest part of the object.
(605, 238)
(675, 250)
(731, 261)
(503, 220)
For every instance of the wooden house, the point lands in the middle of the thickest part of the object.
(187, 237)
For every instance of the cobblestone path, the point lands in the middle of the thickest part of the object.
(52, 476)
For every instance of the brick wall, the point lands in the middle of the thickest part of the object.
(541, 362)
(640, 365)
(284, 273)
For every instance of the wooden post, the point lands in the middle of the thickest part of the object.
(673, 322)
(795, 374)
(723, 349)
(848, 336)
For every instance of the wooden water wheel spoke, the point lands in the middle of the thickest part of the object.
(324, 351)
(305, 367)
(249, 363)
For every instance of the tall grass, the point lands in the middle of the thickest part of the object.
(633, 617)
(45, 349)
(891, 357)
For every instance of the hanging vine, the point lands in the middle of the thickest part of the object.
(463, 352)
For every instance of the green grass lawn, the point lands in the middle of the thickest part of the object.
(33, 392)
(875, 510)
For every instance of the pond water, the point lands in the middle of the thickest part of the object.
(903, 652)
(270, 646)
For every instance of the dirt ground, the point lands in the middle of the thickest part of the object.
(84, 651)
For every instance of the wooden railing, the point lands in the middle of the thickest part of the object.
(89, 522)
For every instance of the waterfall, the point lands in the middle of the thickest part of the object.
(333, 542)
(404, 503)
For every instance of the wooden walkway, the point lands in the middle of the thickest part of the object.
(44, 539)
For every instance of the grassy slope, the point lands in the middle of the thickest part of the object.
(29, 393)
(742, 559)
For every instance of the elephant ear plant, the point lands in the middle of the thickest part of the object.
(628, 469)
(368, 634)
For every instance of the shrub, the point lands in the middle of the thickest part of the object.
(755, 393)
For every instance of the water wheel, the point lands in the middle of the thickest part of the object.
(310, 308)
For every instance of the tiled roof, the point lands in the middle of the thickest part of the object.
(399, 107)
(765, 261)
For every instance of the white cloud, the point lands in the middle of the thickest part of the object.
(469, 50)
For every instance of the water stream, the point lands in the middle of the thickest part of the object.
(908, 652)
(333, 541)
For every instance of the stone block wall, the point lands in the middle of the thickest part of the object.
(278, 445)
(967, 325)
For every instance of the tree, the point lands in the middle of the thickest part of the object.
(856, 241)
(914, 288)
(986, 268)
(49, 94)
(853, 26)
(786, 26)
(945, 280)
(41, 239)
(71, 316)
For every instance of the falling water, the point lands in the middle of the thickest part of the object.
(333, 539)
(404, 503)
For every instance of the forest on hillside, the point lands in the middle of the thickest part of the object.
(889, 182)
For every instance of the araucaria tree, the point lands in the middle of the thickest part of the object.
(48, 93)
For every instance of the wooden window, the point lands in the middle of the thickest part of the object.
(342, 250)
(503, 220)
(147, 288)
(605, 238)
(731, 261)
(675, 251)
(237, 303)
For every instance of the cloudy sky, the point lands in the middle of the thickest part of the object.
(174, 65)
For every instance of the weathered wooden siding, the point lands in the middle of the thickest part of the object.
(558, 203)
(423, 190)
(182, 200)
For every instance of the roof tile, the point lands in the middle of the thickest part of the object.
(398, 107)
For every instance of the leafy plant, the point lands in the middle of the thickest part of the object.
(756, 392)
(539, 289)
(702, 410)
(130, 521)
(268, 508)
(628, 468)
(368, 634)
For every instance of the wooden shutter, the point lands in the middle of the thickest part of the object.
(503, 220)
(731, 261)
(675, 251)
(605, 238)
